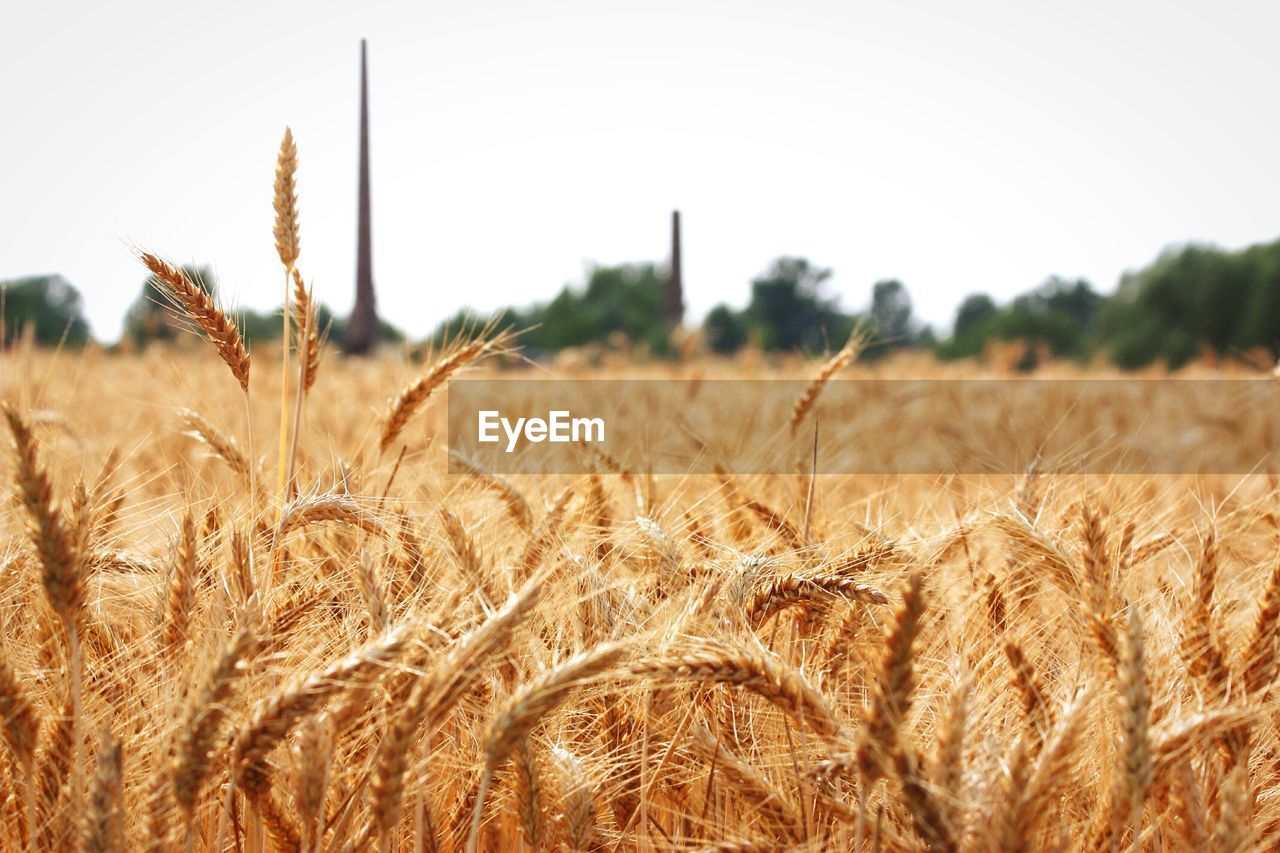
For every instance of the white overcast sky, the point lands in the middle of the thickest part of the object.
(958, 146)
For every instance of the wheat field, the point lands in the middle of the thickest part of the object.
(399, 658)
(244, 607)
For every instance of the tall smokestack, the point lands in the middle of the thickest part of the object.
(673, 293)
(362, 328)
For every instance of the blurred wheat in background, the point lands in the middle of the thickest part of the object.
(362, 652)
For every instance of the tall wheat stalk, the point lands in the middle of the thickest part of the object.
(288, 246)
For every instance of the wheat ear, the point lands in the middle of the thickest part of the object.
(517, 506)
(318, 509)
(275, 716)
(948, 756)
(756, 671)
(62, 568)
(756, 789)
(1097, 575)
(927, 809)
(22, 732)
(1136, 769)
(285, 202)
(199, 306)
(1234, 830)
(304, 317)
(54, 543)
(1201, 645)
(529, 705)
(54, 775)
(434, 697)
(1032, 784)
(580, 807)
(891, 697)
(180, 593)
(529, 791)
(312, 759)
(104, 825)
(308, 357)
(1260, 655)
(222, 445)
(833, 365)
(808, 591)
(191, 764)
(415, 395)
(463, 548)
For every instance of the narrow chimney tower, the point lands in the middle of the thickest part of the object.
(673, 293)
(362, 328)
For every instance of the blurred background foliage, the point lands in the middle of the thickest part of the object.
(619, 305)
(46, 307)
(1191, 301)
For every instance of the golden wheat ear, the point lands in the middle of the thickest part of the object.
(285, 201)
(21, 728)
(529, 705)
(415, 395)
(853, 347)
(895, 684)
(304, 319)
(198, 306)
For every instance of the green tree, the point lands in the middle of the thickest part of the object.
(49, 305)
(790, 309)
(976, 308)
(623, 301)
(1195, 297)
(627, 299)
(1059, 314)
(724, 330)
(1076, 300)
(259, 326)
(890, 318)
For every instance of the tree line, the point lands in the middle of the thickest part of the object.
(1190, 300)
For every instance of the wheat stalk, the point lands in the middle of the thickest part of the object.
(1136, 767)
(288, 246)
